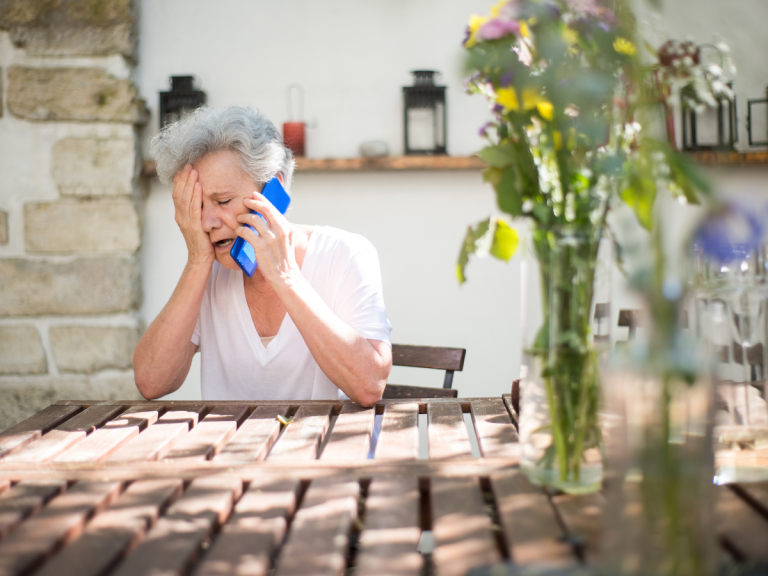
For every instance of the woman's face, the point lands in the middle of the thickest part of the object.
(225, 186)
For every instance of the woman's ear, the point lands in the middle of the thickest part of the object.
(280, 177)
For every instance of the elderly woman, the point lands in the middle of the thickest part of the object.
(309, 324)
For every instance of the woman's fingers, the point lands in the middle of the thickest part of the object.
(264, 207)
(257, 223)
(180, 181)
(189, 188)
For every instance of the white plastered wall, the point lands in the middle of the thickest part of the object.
(352, 59)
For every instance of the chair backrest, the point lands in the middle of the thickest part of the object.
(437, 357)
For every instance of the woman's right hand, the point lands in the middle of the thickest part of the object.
(187, 200)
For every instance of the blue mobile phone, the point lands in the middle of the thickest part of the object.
(242, 252)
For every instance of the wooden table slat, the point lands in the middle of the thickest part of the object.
(59, 522)
(508, 402)
(255, 437)
(448, 436)
(210, 435)
(250, 538)
(583, 516)
(301, 438)
(65, 435)
(496, 434)
(392, 529)
(319, 537)
(462, 528)
(741, 526)
(174, 542)
(351, 434)
(399, 434)
(756, 494)
(111, 534)
(34, 427)
(531, 531)
(158, 439)
(110, 437)
(24, 499)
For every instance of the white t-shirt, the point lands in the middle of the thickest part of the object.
(343, 268)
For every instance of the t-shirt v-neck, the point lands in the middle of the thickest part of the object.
(343, 268)
(258, 345)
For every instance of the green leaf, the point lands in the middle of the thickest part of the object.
(492, 175)
(469, 246)
(507, 193)
(505, 241)
(639, 194)
(497, 156)
(490, 236)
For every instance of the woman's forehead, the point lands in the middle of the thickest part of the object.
(220, 172)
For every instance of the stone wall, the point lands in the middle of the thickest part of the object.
(70, 202)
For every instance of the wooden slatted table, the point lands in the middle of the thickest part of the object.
(219, 488)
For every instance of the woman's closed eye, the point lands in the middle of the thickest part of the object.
(222, 202)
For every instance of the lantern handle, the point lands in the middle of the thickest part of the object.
(716, 49)
(289, 101)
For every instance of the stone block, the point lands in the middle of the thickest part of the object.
(84, 27)
(20, 398)
(71, 226)
(88, 349)
(3, 227)
(73, 94)
(21, 351)
(85, 286)
(94, 167)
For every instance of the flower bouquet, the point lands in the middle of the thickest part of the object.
(574, 131)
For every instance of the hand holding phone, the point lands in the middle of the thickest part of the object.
(242, 252)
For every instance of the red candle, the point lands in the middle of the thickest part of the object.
(293, 137)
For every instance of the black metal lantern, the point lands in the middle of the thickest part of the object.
(763, 118)
(713, 129)
(424, 115)
(182, 98)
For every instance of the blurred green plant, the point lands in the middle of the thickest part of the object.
(577, 100)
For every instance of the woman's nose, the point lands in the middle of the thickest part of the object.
(210, 219)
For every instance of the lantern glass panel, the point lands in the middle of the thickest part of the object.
(421, 128)
(758, 122)
(707, 127)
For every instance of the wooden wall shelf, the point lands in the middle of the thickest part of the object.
(730, 158)
(399, 163)
(389, 163)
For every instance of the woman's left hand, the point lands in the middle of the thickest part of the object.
(274, 244)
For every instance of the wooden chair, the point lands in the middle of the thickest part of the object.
(435, 357)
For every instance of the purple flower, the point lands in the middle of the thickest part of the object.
(730, 233)
(506, 79)
(497, 28)
(483, 132)
(498, 108)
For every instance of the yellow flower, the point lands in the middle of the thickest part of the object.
(624, 46)
(546, 110)
(497, 8)
(525, 32)
(558, 139)
(532, 97)
(475, 22)
(570, 36)
(507, 97)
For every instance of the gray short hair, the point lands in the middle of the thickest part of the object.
(245, 131)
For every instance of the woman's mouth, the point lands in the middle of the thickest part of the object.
(223, 244)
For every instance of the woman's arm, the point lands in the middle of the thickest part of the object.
(164, 353)
(359, 367)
